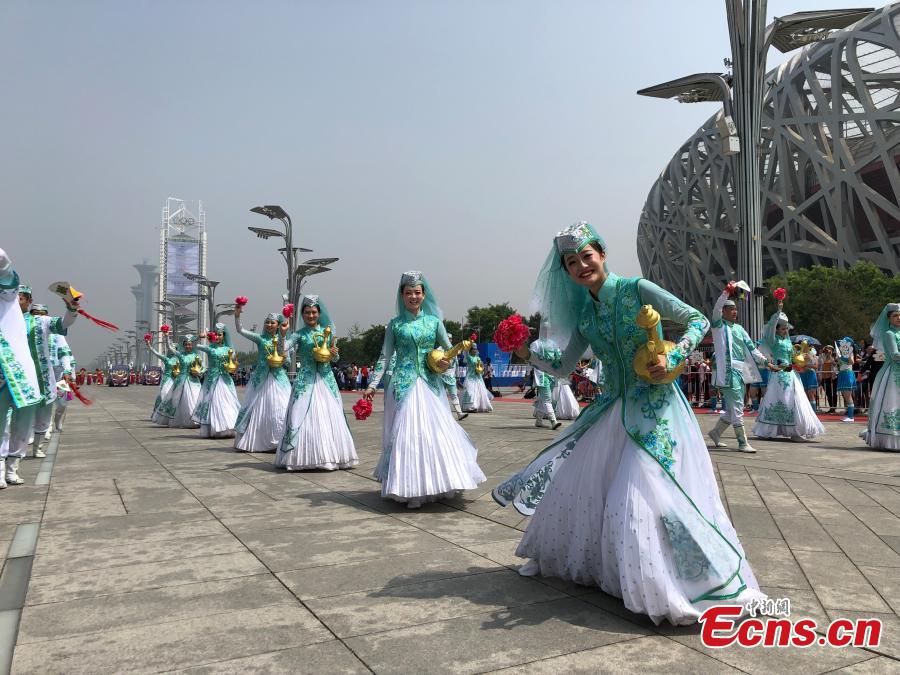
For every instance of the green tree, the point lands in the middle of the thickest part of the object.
(454, 330)
(830, 302)
(364, 348)
(484, 320)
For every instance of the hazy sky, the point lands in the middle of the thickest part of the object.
(455, 137)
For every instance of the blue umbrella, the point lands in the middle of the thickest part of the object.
(811, 340)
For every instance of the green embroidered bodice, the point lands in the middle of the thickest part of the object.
(307, 366)
(410, 339)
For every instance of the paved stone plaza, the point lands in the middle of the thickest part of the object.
(159, 551)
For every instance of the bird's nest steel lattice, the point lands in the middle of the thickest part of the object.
(828, 166)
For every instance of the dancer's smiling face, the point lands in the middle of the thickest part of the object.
(894, 319)
(188, 346)
(311, 316)
(587, 267)
(413, 297)
(271, 325)
(782, 330)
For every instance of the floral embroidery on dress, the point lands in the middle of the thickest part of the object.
(778, 413)
(891, 420)
(659, 442)
(690, 560)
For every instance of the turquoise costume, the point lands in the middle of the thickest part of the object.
(426, 455)
(178, 409)
(784, 410)
(316, 435)
(625, 498)
(260, 423)
(162, 406)
(218, 407)
(883, 427)
(736, 358)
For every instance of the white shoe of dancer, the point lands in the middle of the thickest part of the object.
(12, 471)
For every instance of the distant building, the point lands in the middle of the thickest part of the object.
(145, 317)
(829, 168)
(182, 249)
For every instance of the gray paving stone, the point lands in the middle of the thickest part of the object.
(804, 533)
(297, 548)
(71, 558)
(323, 657)
(838, 583)
(331, 580)
(175, 644)
(639, 656)
(71, 585)
(774, 562)
(423, 599)
(492, 640)
(57, 620)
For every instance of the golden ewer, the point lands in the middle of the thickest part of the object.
(801, 360)
(648, 354)
(230, 364)
(439, 354)
(176, 369)
(196, 368)
(322, 341)
(479, 367)
(273, 358)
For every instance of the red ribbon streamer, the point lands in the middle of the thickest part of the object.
(100, 322)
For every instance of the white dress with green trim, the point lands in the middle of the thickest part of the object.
(316, 435)
(218, 406)
(476, 397)
(426, 454)
(162, 406)
(185, 394)
(260, 423)
(883, 428)
(784, 410)
(626, 498)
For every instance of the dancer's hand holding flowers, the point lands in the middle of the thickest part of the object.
(512, 336)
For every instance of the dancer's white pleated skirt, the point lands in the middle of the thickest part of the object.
(882, 428)
(427, 454)
(786, 411)
(476, 397)
(266, 410)
(165, 391)
(316, 435)
(184, 400)
(564, 402)
(600, 521)
(224, 407)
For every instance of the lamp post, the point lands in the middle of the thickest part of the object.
(163, 305)
(742, 101)
(227, 310)
(210, 295)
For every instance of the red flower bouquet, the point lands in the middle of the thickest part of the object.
(288, 310)
(780, 294)
(164, 328)
(241, 300)
(511, 334)
(212, 336)
(362, 409)
(148, 337)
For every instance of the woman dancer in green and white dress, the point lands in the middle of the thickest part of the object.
(426, 454)
(316, 435)
(883, 428)
(260, 423)
(218, 407)
(166, 382)
(625, 498)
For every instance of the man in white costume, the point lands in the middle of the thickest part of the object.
(736, 364)
(39, 328)
(19, 390)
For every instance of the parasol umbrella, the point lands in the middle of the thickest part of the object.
(811, 340)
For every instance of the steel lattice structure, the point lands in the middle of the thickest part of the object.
(828, 165)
